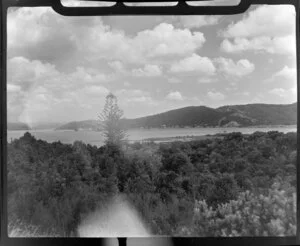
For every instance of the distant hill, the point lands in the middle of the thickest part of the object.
(188, 116)
(78, 125)
(202, 116)
(46, 125)
(262, 114)
(14, 126)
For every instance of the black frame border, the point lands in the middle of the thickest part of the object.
(120, 9)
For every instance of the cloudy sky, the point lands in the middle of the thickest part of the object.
(61, 68)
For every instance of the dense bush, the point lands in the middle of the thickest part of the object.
(257, 215)
(236, 185)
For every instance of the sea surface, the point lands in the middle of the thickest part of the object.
(96, 138)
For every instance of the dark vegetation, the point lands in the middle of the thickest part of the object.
(240, 115)
(235, 186)
(75, 125)
(265, 114)
(234, 115)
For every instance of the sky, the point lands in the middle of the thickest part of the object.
(60, 69)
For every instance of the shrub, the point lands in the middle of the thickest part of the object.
(273, 214)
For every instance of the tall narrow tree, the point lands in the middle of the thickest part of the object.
(110, 122)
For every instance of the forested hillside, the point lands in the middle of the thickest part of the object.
(234, 115)
(235, 185)
(264, 114)
(77, 125)
(201, 116)
(188, 116)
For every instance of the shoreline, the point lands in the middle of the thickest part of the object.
(143, 135)
(177, 138)
(163, 128)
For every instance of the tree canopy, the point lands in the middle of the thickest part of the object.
(238, 185)
(110, 122)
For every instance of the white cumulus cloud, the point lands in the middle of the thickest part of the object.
(239, 69)
(53, 38)
(285, 95)
(44, 91)
(278, 92)
(164, 40)
(287, 72)
(273, 45)
(195, 64)
(266, 20)
(216, 96)
(266, 28)
(117, 66)
(175, 95)
(195, 21)
(147, 71)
